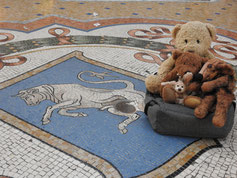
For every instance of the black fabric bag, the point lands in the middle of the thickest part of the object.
(175, 119)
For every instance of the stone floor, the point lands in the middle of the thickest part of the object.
(99, 53)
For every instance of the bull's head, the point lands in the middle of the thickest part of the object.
(30, 96)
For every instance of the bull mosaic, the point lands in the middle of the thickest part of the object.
(71, 97)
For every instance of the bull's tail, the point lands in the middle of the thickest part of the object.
(129, 85)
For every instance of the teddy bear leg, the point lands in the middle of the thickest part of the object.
(224, 101)
(202, 110)
(153, 83)
(168, 94)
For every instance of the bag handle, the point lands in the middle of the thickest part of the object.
(150, 103)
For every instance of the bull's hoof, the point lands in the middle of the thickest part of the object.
(82, 114)
(122, 129)
(45, 122)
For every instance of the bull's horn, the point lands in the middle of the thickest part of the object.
(19, 94)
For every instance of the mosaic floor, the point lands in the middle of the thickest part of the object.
(99, 53)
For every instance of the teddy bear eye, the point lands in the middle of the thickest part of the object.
(186, 41)
(209, 66)
(198, 41)
(177, 85)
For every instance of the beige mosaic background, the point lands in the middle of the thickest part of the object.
(221, 13)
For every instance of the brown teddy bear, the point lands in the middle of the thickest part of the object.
(218, 86)
(193, 37)
(186, 64)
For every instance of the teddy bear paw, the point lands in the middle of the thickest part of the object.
(200, 113)
(218, 121)
(188, 77)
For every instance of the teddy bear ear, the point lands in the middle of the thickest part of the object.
(212, 30)
(176, 30)
(204, 60)
(176, 54)
(225, 69)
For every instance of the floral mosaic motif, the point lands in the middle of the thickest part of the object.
(8, 61)
(224, 47)
(8, 37)
(62, 38)
(152, 34)
(155, 59)
(156, 32)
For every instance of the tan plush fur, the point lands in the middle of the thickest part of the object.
(193, 37)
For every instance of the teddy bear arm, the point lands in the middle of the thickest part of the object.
(153, 81)
(168, 82)
(211, 85)
(166, 67)
(172, 75)
(194, 86)
(188, 77)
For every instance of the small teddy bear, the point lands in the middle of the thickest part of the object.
(179, 89)
(195, 37)
(218, 88)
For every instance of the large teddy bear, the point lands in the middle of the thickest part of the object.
(195, 37)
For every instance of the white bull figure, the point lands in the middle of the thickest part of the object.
(68, 97)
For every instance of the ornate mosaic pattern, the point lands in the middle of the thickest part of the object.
(44, 133)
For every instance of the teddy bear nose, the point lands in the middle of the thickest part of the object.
(198, 77)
